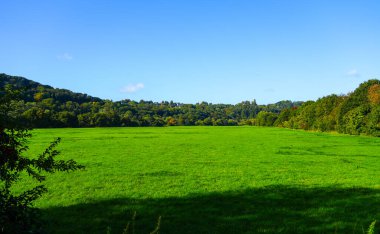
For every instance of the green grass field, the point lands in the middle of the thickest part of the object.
(211, 180)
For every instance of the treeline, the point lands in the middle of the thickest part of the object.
(43, 106)
(355, 113)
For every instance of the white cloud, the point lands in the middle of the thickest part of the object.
(353, 72)
(132, 88)
(65, 56)
(269, 90)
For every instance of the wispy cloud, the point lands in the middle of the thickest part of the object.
(353, 73)
(65, 56)
(269, 90)
(132, 88)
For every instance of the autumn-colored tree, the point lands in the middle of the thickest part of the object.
(374, 94)
(171, 121)
(38, 96)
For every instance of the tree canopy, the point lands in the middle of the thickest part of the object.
(44, 106)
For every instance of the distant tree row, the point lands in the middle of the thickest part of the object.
(43, 106)
(355, 113)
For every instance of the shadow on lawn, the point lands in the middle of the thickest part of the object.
(277, 209)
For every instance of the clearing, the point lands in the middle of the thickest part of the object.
(211, 180)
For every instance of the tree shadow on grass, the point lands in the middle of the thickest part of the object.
(276, 209)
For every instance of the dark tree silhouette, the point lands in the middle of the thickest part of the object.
(16, 212)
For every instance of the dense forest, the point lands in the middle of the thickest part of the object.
(42, 106)
(355, 113)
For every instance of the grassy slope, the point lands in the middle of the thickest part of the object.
(212, 180)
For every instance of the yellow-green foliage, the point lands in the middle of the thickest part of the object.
(371, 229)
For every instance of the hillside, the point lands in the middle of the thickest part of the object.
(355, 113)
(33, 90)
(45, 106)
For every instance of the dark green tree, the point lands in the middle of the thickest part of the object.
(265, 118)
(17, 214)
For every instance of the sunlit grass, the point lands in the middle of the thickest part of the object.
(212, 180)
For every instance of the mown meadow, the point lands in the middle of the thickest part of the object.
(211, 180)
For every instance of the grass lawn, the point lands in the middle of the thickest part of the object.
(211, 180)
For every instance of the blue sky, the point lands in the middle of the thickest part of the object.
(191, 51)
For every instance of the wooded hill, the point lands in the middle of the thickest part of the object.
(355, 113)
(44, 106)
